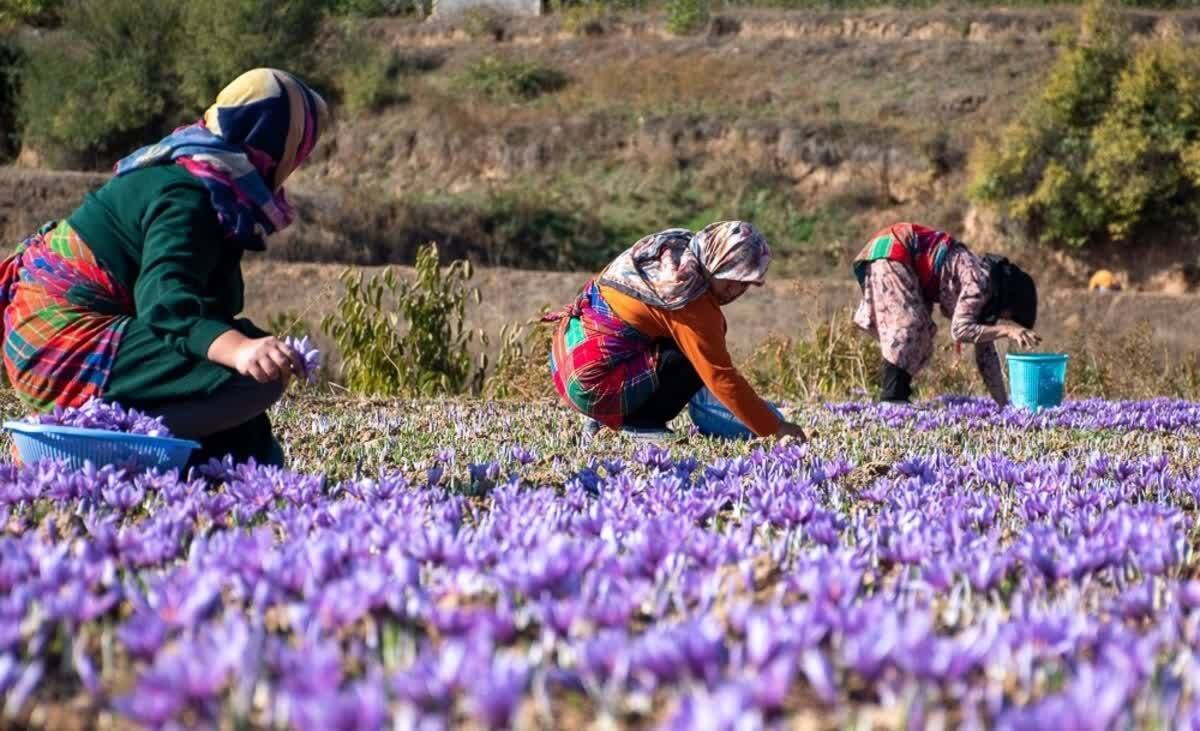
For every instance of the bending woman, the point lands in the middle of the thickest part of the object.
(134, 297)
(905, 270)
(648, 333)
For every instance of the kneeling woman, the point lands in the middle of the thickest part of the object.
(906, 269)
(648, 333)
(134, 297)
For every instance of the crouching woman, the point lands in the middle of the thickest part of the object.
(648, 333)
(907, 269)
(134, 297)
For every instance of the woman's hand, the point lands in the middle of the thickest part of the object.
(788, 429)
(1023, 338)
(267, 359)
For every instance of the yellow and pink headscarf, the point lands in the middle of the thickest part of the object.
(672, 268)
(261, 128)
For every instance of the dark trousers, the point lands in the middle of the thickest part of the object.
(897, 384)
(678, 382)
(233, 421)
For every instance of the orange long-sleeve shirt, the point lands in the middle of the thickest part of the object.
(698, 330)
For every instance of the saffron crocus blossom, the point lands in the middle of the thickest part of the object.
(309, 354)
(1009, 569)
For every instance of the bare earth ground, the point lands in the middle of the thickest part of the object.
(787, 307)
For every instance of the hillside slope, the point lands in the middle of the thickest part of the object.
(818, 126)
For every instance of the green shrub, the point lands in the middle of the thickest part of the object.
(367, 334)
(1038, 172)
(122, 72)
(583, 17)
(1108, 149)
(367, 76)
(402, 338)
(687, 16)
(510, 80)
(224, 38)
(379, 8)
(30, 12)
(103, 83)
(484, 23)
(290, 322)
(530, 229)
(1143, 146)
(836, 362)
(521, 370)
(11, 60)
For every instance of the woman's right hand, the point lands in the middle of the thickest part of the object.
(267, 359)
(1023, 338)
(788, 429)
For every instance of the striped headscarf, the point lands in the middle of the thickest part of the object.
(261, 128)
(672, 268)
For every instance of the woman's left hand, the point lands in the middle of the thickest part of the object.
(788, 429)
(1022, 337)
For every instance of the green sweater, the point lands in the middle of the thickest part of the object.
(155, 232)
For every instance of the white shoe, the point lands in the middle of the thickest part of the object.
(590, 429)
(642, 434)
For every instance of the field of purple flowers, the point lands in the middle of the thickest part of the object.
(428, 565)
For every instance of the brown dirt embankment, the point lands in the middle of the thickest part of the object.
(785, 307)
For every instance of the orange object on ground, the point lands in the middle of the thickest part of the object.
(1104, 280)
(698, 329)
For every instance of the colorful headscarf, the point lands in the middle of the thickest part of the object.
(261, 128)
(672, 268)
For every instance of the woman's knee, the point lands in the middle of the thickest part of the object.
(263, 395)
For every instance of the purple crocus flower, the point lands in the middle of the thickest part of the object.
(309, 354)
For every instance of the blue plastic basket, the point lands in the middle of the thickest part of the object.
(1037, 379)
(712, 418)
(75, 446)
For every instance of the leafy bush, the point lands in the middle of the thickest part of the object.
(521, 370)
(30, 12)
(837, 361)
(483, 23)
(120, 72)
(511, 80)
(366, 75)
(11, 59)
(687, 16)
(1146, 142)
(224, 38)
(379, 8)
(104, 83)
(432, 355)
(590, 17)
(290, 322)
(530, 229)
(1107, 150)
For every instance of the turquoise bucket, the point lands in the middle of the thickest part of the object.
(1036, 379)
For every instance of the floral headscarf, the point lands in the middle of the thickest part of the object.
(261, 128)
(670, 269)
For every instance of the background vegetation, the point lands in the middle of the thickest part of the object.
(1109, 149)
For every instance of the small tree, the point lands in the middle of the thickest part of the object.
(104, 84)
(1143, 146)
(1038, 171)
(432, 355)
(687, 16)
(225, 38)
